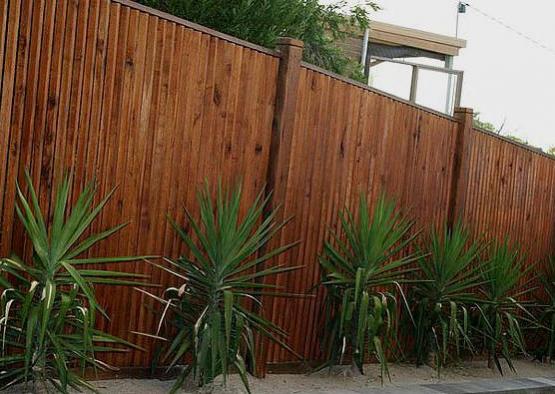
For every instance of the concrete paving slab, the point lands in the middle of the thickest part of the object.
(514, 386)
(550, 381)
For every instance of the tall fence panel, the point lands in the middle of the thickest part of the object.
(511, 195)
(349, 141)
(138, 101)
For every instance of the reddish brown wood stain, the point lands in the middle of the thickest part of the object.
(347, 141)
(510, 193)
(138, 102)
(155, 106)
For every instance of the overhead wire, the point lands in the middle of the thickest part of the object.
(509, 27)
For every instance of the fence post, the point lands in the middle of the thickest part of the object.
(291, 53)
(459, 183)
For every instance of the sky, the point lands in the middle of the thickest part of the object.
(509, 80)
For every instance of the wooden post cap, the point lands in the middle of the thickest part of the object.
(288, 41)
(464, 110)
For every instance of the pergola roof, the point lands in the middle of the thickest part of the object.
(393, 35)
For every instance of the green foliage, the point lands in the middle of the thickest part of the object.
(443, 295)
(516, 139)
(263, 21)
(48, 319)
(504, 309)
(227, 268)
(360, 269)
(481, 124)
(551, 151)
(547, 310)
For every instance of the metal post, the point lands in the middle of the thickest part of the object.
(449, 107)
(458, 90)
(448, 99)
(364, 54)
(413, 84)
(365, 58)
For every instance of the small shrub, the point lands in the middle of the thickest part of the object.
(47, 320)
(504, 309)
(546, 308)
(443, 295)
(227, 268)
(361, 267)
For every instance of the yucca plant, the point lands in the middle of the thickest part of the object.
(446, 289)
(207, 315)
(363, 268)
(48, 313)
(504, 310)
(546, 311)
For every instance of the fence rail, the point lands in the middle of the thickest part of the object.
(156, 105)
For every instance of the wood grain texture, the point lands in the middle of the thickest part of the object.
(350, 141)
(154, 106)
(139, 102)
(511, 194)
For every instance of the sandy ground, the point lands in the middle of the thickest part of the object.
(402, 375)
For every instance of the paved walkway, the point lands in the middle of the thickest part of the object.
(512, 386)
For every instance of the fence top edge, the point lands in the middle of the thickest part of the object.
(270, 52)
(197, 27)
(276, 54)
(503, 138)
(376, 91)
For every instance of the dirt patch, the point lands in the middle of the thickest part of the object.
(402, 375)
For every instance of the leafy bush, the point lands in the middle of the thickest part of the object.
(361, 267)
(226, 269)
(262, 22)
(446, 289)
(546, 307)
(504, 308)
(47, 320)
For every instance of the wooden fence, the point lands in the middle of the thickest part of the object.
(155, 105)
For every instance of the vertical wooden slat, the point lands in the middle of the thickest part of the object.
(14, 129)
(27, 128)
(67, 69)
(80, 81)
(10, 29)
(3, 26)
